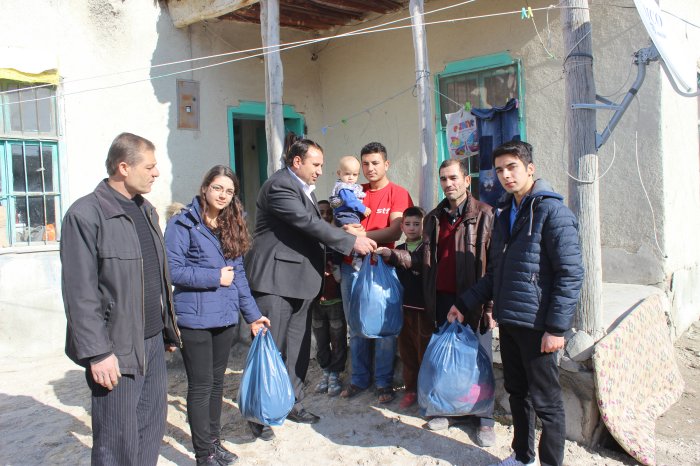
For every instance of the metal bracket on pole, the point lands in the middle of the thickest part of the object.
(642, 58)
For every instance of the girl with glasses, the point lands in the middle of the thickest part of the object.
(205, 243)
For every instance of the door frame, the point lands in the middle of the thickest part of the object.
(251, 110)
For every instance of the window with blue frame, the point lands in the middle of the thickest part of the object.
(29, 165)
(481, 82)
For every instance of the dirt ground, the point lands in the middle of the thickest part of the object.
(44, 419)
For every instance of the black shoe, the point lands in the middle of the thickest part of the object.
(210, 460)
(223, 454)
(303, 417)
(260, 431)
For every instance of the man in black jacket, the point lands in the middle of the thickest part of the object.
(286, 262)
(117, 297)
(534, 277)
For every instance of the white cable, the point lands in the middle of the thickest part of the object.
(641, 182)
(369, 30)
(219, 55)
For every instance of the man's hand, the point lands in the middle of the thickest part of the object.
(355, 229)
(453, 314)
(170, 348)
(226, 276)
(488, 322)
(364, 245)
(383, 251)
(550, 343)
(106, 372)
(261, 324)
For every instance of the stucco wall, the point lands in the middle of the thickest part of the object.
(681, 177)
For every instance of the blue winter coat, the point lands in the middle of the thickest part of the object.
(195, 258)
(535, 271)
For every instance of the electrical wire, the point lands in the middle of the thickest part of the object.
(646, 194)
(284, 47)
(246, 51)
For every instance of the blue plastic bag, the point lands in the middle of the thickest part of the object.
(376, 300)
(265, 395)
(455, 377)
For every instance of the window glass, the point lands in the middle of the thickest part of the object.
(29, 188)
(47, 159)
(18, 174)
(28, 110)
(21, 228)
(34, 169)
(13, 109)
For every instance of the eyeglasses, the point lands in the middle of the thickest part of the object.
(217, 188)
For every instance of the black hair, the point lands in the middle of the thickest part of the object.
(127, 148)
(463, 165)
(374, 148)
(520, 149)
(414, 211)
(299, 148)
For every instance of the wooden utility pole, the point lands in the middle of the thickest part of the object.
(581, 137)
(274, 118)
(426, 124)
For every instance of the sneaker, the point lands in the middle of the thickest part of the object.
(322, 386)
(210, 460)
(408, 400)
(222, 454)
(511, 461)
(335, 385)
(438, 423)
(260, 431)
(485, 436)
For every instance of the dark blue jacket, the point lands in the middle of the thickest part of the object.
(535, 271)
(195, 258)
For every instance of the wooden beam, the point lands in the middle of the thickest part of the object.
(297, 21)
(426, 124)
(360, 5)
(581, 125)
(184, 13)
(274, 106)
(317, 13)
(353, 12)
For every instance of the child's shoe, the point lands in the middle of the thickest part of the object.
(335, 385)
(322, 386)
(408, 400)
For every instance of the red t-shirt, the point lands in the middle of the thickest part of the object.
(383, 202)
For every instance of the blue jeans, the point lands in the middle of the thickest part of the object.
(361, 348)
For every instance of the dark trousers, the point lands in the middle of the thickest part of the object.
(527, 371)
(205, 354)
(331, 332)
(290, 325)
(443, 304)
(128, 422)
(413, 340)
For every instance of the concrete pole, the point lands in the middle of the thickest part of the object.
(426, 123)
(274, 78)
(581, 128)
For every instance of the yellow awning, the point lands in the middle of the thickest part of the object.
(45, 77)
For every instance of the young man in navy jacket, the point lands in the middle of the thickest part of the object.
(534, 278)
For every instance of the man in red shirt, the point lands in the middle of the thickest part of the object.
(387, 202)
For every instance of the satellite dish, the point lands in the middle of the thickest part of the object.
(666, 34)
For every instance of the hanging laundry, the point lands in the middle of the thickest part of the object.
(462, 140)
(494, 126)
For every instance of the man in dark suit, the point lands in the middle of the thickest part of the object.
(285, 265)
